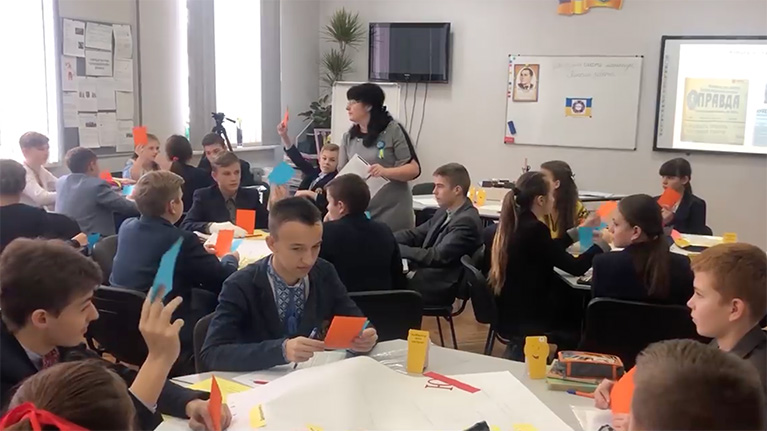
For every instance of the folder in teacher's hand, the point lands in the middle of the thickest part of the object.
(359, 167)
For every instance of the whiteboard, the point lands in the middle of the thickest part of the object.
(340, 123)
(573, 101)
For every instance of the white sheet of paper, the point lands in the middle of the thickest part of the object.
(74, 38)
(319, 359)
(356, 165)
(86, 89)
(105, 92)
(593, 419)
(98, 63)
(124, 105)
(88, 128)
(124, 135)
(69, 103)
(107, 129)
(68, 73)
(123, 74)
(98, 36)
(123, 41)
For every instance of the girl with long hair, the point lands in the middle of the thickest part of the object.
(568, 210)
(179, 152)
(689, 214)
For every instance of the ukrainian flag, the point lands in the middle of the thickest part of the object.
(579, 7)
(578, 107)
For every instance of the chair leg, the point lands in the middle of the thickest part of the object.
(452, 331)
(490, 337)
(441, 337)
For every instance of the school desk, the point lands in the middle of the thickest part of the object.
(443, 361)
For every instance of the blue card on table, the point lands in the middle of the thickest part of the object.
(93, 238)
(235, 244)
(281, 174)
(585, 237)
(164, 274)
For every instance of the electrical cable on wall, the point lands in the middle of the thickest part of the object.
(406, 90)
(423, 114)
(412, 111)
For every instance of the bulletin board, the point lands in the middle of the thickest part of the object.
(573, 101)
(99, 96)
(340, 119)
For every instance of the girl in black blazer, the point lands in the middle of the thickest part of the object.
(645, 270)
(179, 152)
(689, 215)
(523, 258)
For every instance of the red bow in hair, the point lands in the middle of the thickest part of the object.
(174, 159)
(37, 417)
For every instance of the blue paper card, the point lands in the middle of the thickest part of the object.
(235, 244)
(281, 174)
(164, 274)
(128, 189)
(512, 129)
(93, 238)
(367, 214)
(585, 237)
(603, 225)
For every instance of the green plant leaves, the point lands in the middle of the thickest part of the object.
(344, 28)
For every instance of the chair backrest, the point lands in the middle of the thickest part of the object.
(104, 254)
(392, 312)
(200, 332)
(423, 189)
(625, 328)
(263, 190)
(463, 291)
(116, 329)
(482, 300)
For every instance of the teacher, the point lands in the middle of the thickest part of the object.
(383, 143)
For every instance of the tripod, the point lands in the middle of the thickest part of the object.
(219, 128)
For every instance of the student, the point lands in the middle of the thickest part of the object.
(213, 144)
(143, 160)
(267, 311)
(645, 270)
(363, 251)
(315, 180)
(179, 152)
(686, 385)
(215, 208)
(88, 199)
(568, 211)
(689, 214)
(142, 242)
(523, 258)
(436, 247)
(18, 220)
(41, 184)
(44, 319)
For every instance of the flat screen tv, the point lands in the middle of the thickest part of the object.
(409, 52)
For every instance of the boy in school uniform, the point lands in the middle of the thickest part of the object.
(315, 179)
(88, 199)
(215, 208)
(142, 242)
(40, 190)
(363, 251)
(44, 320)
(213, 145)
(686, 385)
(268, 311)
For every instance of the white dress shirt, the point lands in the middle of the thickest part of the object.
(39, 191)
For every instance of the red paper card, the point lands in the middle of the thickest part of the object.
(106, 176)
(675, 234)
(607, 208)
(246, 219)
(343, 330)
(669, 198)
(214, 403)
(453, 382)
(139, 136)
(286, 118)
(224, 242)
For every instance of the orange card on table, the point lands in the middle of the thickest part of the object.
(214, 404)
(675, 235)
(344, 329)
(106, 176)
(286, 118)
(246, 219)
(669, 198)
(224, 242)
(139, 136)
(606, 209)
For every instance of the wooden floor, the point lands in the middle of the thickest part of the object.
(470, 333)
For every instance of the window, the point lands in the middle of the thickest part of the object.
(28, 80)
(237, 26)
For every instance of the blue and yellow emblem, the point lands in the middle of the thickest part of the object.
(578, 107)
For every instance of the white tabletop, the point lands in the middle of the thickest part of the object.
(452, 362)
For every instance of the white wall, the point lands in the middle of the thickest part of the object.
(465, 119)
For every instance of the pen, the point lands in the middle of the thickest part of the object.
(312, 336)
(367, 322)
(580, 394)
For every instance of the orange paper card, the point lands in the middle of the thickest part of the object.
(343, 329)
(669, 198)
(675, 234)
(224, 242)
(139, 136)
(106, 176)
(607, 208)
(246, 219)
(622, 393)
(214, 404)
(286, 118)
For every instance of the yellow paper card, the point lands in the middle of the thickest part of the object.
(536, 352)
(524, 427)
(729, 237)
(314, 428)
(417, 351)
(495, 428)
(481, 197)
(257, 417)
(473, 194)
(681, 242)
(227, 387)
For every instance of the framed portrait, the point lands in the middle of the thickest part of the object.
(526, 79)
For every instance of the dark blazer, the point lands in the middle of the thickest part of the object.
(25, 221)
(310, 174)
(194, 179)
(92, 203)
(690, 216)
(436, 251)
(364, 252)
(753, 348)
(17, 366)
(525, 304)
(246, 333)
(246, 177)
(615, 277)
(209, 207)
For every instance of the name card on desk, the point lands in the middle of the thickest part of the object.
(417, 351)
(729, 237)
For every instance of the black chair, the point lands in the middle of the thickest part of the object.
(263, 190)
(624, 328)
(392, 312)
(423, 189)
(200, 332)
(104, 254)
(116, 329)
(483, 303)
